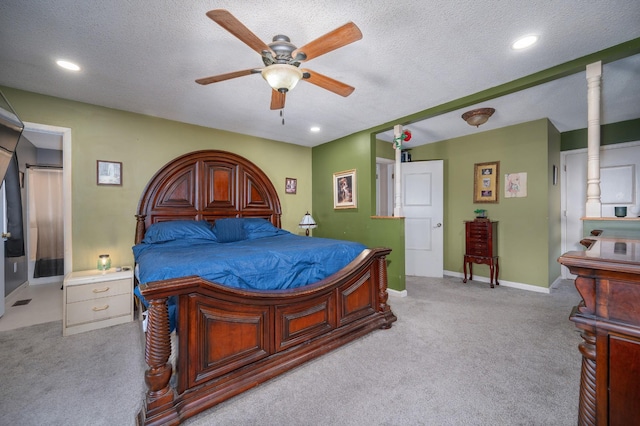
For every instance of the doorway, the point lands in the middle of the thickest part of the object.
(423, 209)
(422, 206)
(38, 133)
(384, 187)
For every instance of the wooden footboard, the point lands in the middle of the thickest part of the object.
(231, 340)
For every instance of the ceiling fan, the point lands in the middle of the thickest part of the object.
(282, 59)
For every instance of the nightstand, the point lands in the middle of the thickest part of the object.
(96, 299)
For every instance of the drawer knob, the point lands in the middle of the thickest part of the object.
(100, 290)
(103, 308)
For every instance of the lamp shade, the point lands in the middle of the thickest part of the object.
(478, 116)
(282, 77)
(307, 222)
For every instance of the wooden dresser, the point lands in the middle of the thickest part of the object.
(481, 246)
(608, 280)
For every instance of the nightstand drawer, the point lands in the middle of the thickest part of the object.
(78, 293)
(99, 309)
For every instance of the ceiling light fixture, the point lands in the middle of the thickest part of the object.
(315, 129)
(524, 42)
(479, 116)
(282, 77)
(68, 65)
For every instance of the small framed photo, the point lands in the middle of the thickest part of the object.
(515, 185)
(345, 192)
(485, 182)
(290, 185)
(109, 172)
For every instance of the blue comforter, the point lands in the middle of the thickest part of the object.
(275, 262)
(245, 253)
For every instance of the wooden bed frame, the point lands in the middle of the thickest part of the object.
(230, 340)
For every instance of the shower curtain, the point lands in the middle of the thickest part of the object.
(46, 222)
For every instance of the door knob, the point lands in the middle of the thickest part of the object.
(437, 226)
(6, 235)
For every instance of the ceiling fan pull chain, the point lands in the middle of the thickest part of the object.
(282, 115)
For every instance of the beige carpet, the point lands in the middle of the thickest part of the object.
(460, 354)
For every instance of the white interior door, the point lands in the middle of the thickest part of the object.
(422, 206)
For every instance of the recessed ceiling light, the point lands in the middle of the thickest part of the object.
(315, 129)
(524, 42)
(68, 65)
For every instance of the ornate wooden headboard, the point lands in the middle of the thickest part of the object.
(207, 185)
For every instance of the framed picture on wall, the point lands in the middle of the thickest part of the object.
(485, 182)
(344, 190)
(290, 185)
(515, 185)
(109, 173)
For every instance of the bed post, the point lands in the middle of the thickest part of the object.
(140, 229)
(383, 296)
(159, 395)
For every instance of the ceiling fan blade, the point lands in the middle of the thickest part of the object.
(277, 99)
(346, 34)
(328, 83)
(230, 23)
(227, 76)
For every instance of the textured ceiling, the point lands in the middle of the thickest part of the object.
(144, 57)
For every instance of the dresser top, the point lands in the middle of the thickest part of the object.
(94, 275)
(615, 254)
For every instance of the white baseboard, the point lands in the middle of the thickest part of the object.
(46, 280)
(557, 282)
(13, 296)
(504, 283)
(397, 293)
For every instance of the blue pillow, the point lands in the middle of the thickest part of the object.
(178, 230)
(229, 230)
(260, 228)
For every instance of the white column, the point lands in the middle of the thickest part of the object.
(397, 204)
(594, 85)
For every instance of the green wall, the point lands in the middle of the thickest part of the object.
(102, 216)
(357, 152)
(614, 228)
(385, 149)
(528, 226)
(624, 131)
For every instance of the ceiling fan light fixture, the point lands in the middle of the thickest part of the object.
(479, 116)
(282, 77)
